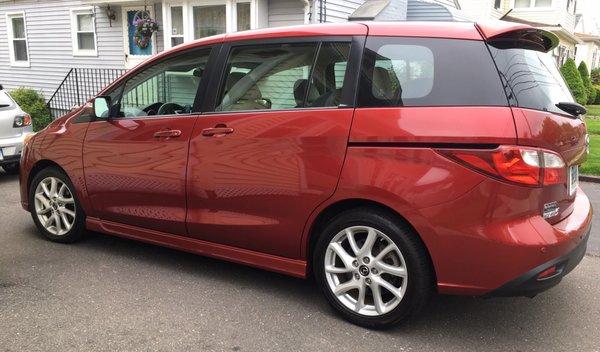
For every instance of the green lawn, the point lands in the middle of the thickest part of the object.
(593, 110)
(592, 165)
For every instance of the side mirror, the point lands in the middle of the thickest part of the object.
(101, 107)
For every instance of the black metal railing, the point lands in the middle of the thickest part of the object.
(80, 85)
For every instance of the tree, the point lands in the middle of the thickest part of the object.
(595, 76)
(587, 83)
(573, 78)
(33, 103)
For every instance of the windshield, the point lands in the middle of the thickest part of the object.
(531, 79)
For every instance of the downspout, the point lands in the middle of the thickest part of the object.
(307, 14)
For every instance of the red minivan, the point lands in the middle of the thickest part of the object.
(387, 160)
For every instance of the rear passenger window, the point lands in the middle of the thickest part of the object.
(283, 76)
(428, 72)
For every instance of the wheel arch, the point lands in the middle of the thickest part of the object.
(333, 209)
(39, 166)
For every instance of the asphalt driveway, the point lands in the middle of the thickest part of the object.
(113, 294)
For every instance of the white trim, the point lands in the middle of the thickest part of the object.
(74, 31)
(168, 25)
(10, 37)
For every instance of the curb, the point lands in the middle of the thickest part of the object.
(589, 178)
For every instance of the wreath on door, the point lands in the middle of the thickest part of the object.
(145, 26)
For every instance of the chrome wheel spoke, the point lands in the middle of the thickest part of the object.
(369, 242)
(377, 299)
(67, 212)
(393, 289)
(390, 269)
(352, 242)
(345, 287)
(66, 200)
(335, 270)
(360, 301)
(346, 258)
(57, 223)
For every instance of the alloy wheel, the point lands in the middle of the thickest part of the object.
(365, 271)
(55, 206)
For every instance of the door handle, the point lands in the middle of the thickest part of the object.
(217, 131)
(167, 133)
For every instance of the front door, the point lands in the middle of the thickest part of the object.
(273, 149)
(136, 51)
(135, 161)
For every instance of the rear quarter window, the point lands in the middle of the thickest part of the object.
(531, 79)
(399, 71)
(5, 101)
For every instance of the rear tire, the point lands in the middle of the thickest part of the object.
(384, 276)
(12, 168)
(54, 206)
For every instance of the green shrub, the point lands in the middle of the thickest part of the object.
(573, 79)
(595, 76)
(33, 103)
(597, 101)
(587, 83)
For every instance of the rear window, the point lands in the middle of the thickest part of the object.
(428, 72)
(5, 101)
(531, 79)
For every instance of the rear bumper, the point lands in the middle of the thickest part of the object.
(12, 148)
(529, 285)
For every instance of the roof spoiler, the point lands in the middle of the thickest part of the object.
(519, 36)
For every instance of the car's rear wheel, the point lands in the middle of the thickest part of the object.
(372, 268)
(54, 206)
(12, 168)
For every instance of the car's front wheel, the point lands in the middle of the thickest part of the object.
(372, 268)
(11, 169)
(54, 206)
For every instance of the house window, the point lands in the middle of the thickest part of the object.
(497, 4)
(177, 31)
(243, 16)
(83, 26)
(17, 37)
(208, 20)
(532, 3)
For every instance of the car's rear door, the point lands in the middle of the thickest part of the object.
(272, 148)
(135, 160)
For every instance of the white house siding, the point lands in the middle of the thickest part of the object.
(48, 26)
(285, 13)
(335, 10)
(426, 11)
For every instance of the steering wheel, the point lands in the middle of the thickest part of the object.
(170, 109)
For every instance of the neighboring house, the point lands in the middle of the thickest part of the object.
(409, 10)
(70, 49)
(557, 16)
(588, 51)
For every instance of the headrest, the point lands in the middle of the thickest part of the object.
(383, 84)
(234, 77)
(300, 89)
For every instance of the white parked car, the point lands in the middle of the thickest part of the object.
(15, 125)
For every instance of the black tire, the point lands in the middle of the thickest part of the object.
(12, 168)
(420, 273)
(77, 231)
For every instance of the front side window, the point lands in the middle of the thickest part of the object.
(84, 32)
(283, 76)
(166, 88)
(428, 72)
(17, 37)
(208, 20)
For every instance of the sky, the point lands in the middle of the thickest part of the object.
(590, 9)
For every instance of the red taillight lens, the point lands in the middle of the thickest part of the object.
(528, 166)
(22, 120)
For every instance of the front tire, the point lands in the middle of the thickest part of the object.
(372, 268)
(54, 206)
(11, 169)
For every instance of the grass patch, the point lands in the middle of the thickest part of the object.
(593, 110)
(593, 126)
(592, 165)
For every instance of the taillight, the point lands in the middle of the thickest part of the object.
(522, 165)
(22, 120)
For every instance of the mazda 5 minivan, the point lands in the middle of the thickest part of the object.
(387, 160)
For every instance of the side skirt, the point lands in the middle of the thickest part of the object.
(292, 267)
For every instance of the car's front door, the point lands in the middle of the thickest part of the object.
(135, 160)
(273, 149)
